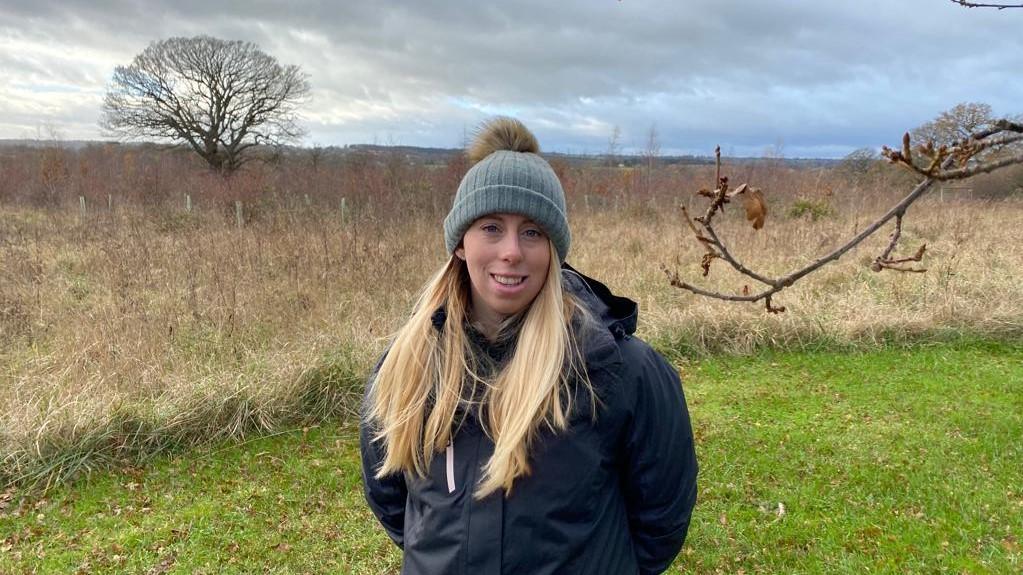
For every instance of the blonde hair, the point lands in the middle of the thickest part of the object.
(416, 393)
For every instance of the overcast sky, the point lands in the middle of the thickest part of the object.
(817, 79)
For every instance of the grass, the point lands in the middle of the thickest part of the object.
(901, 460)
(290, 503)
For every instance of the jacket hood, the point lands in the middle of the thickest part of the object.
(618, 314)
(611, 319)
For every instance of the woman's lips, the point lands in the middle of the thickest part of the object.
(508, 283)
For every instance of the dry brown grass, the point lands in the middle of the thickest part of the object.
(125, 333)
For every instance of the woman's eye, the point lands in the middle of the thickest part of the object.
(490, 228)
(533, 233)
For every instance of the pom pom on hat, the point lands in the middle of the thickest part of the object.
(501, 134)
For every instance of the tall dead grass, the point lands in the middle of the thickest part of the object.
(130, 331)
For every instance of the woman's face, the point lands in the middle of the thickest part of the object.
(507, 256)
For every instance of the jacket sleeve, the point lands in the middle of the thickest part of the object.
(386, 496)
(659, 478)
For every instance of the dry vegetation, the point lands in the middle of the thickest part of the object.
(131, 330)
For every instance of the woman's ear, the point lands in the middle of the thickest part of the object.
(460, 253)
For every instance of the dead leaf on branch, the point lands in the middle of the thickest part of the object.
(756, 207)
(705, 263)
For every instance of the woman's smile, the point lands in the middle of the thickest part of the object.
(508, 279)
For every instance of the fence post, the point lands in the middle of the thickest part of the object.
(308, 202)
(188, 203)
(81, 204)
(238, 213)
(344, 203)
(110, 202)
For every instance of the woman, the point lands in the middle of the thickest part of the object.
(516, 425)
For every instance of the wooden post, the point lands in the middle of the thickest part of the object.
(343, 209)
(586, 201)
(238, 213)
(81, 204)
(307, 201)
(188, 203)
(110, 202)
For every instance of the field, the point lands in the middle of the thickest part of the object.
(134, 330)
(891, 461)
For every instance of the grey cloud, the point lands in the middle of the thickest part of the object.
(818, 75)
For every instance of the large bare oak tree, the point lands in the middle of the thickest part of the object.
(221, 98)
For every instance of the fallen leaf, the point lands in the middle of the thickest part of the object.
(1010, 544)
(6, 497)
(162, 567)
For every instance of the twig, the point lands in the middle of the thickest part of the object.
(699, 237)
(739, 267)
(710, 255)
(720, 193)
(984, 5)
(895, 238)
(884, 261)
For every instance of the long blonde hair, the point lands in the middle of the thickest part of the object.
(416, 393)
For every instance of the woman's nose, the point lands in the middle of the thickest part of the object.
(510, 249)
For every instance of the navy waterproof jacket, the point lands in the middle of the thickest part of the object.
(610, 495)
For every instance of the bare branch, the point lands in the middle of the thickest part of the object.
(997, 138)
(884, 261)
(894, 239)
(739, 267)
(720, 193)
(986, 5)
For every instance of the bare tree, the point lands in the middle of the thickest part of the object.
(955, 124)
(614, 147)
(651, 152)
(221, 98)
(933, 163)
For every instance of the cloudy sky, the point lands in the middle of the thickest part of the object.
(806, 77)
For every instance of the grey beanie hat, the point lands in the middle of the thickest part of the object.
(509, 177)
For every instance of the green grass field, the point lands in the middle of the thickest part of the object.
(894, 461)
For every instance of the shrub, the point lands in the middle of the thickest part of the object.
(815, 209)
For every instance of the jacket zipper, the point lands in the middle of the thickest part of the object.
(450, 456)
